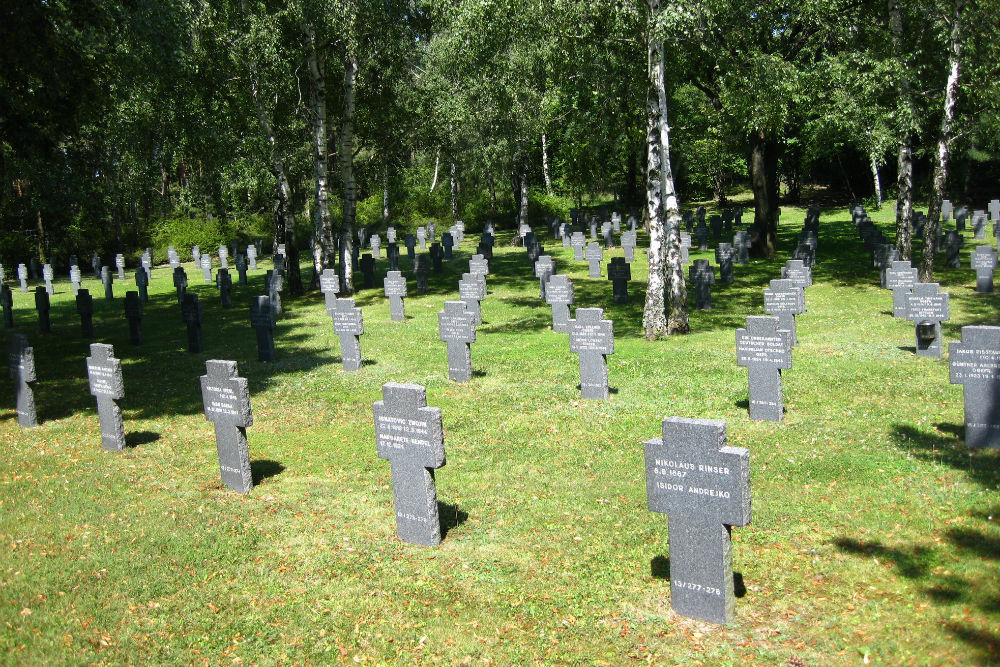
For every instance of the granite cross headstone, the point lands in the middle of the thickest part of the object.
(984, 261)
(410, 244)
(457, 328)
(95, 264)
(75, 278)
(595, 254)
(21, 367)
(592, 337)
(22, 276)
(472, 290)
(252, 257)
(191, 313)
(206, 267)
(42, 306)
(348, 324)
(394, 285)
(262, 322)
(420, 271)
(975, 363)
(702, 275)
(368, 270)
(545, 268)
(376, 245)
(796, 271)
(120, 264)
(436, 256)
(900, 277)
(142, 282)
(226, 399)
(578, 241)
(422, 237)
(225, 284)
(619, 274)
(180, 283)
(447, 242)
(104, 373)
(724, 254)
(47, 276)
(927, 306)
(559, 295)
(392, 254)
(223, 257)
(133, 313)
(108, 278)
(785, 300)
(85, 307)
(765, 350)
(953, 242)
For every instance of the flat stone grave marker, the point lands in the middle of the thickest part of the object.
(22, 276)
(559, 295)
(42, 306)
(592, 337)
(436, 256)
(348, 324)
(984, 261)
(702, 275)
(900, 277)
(120, 264)
(422, 238)
(457, 328)
(104, 373)
(133, 313)
(724, 254)
(225, 284)
(472, 290)
(191, 313)
(953, 242)
(785, 300)
(7, 301)
(223, 257)
(21, 367)
(85, 307)
(410, 436)
(703, 486)
(595, 255)
(765, 350)
(180, 283)
(447, 242)
(420, 271)
(47, 276)
(262, 321)
(142, 282)
(479, 265)
(252, 257)
(394, 286)
(392, 254)
(226, 399)
(628, 241)
(927, 306)
(796, 271)
(206, 267)
(975, 364)
(108, 279)
(619, 274)
(410, 244)
(545, 268)
(75, 278)
(578, 242)
(376, 245)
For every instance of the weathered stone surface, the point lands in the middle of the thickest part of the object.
(785, 300)
(348, 324)
(559, 295)
(592, 337)
(394, 286)
(104, 373)
(765, 350)
(619, 273)
(21, 368)
(984, 262)
(975, 363)
(457, 328)
(927, 306)
(226, 400)
(263, 323)
(595, 255)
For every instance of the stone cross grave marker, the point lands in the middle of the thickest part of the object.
(961, 213)
(274, 283)
(223, 257)
(437, 254)
(592, 337)
(133, 313)
(226, 399)
(21, 367)
(206, 267)
(994, 209)
(22, 276)
(593, 229)
(765, 350)
(724, 254)
(348, 324)
(47, 276)
(785, 300)
(472, 290)
(685, 247)
(479, 265)
(142, 282)
(394, 286)
(545, 268)
(703, 486)
(278, 258)
(410, 244)
(535, 250)
(392, 254)
(578, 241)
(376, 245)
(715, 222)
(173, 258)
(7, 301)
(108, 278)
(975, 364)
(701, 235)
(979, 224)
(120, 265)
(984, 261)
(900, 277)
(457, 328)
(410, 436)
(447, 242)
(741, 241)
(95, 264)
(953, 242)
(927, 306)
(191, 312)
(559, 295)
(607, 234)
(946, 208)
(75, 278)
(422, 237)
(565, 232)
(180, 283)
(420, 271)
(619, 274)
(796, 271)
(42, 306)
(595, 255)
(329, 285)
(252, 257)
(85, 307)
(702, 275)
(104, 373)
(368, 270)
(628, 241)
(262, 321)
(146, 262)
(390, 234)
(431, 230)
(241, 269)
(196, 255)
(225, 284)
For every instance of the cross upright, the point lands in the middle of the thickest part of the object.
(206, 267)
(578, 241)
(223, 257)
(375, 242)
(702, 274)
(595, 255)
(85, 307)
(196, 255)
(42, 306)
(431, 230)
(765, 350)
(274, 282)
(715, 222)
(559, 295)
(927, 306)
(472, 290)
(796, 271)
(47, 276)
(946, 208)
(701, 235)
(21, 367)
(628, 241)
(410, 436)
(368, 270)
(447, 242)
(104, 374)
(534, 251)
(226, 400)
(191, 313)
(120, 265)
(785, 300)
(724, 254)
(392, 254)
(262, 321)
(394, 286)
(545, 268)
(900, 277)
(953, 242)
(74, 278)
(975, 363)
(592, 337)
(984, 261)
(348, 324)
(436, 256)
(241, 269)
(181, 283)
(994, 209)
(133, 313)
(619, 273)
(410, 244)
(390, 234)
(142, 282)
(703, 486)
(146, 262)
(95, 264)
(457, 328)
(420, 271)
(108, 278)
(329, 285)
(7, 301)
(252, 257)
(479, 265)
(225, 284)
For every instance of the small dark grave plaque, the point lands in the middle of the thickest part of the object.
(409, 435)
(21, 367)
(703, 486)
(180, 282)
(975, 363)
(457, 328)
(578, 241)
(702, 276)
(191, 312)
(472, 290)
(436, 256)
(765, 350)
(262, 321)
(104, 373)
(394, 285)
(42, 306)
(796, 271)
(133, 313)
(619, 274)
(785, 300)
(348, 324)
(927, 306)
(545, 268)
(108, 278)
(559, 295)
(592, 337)
(900, 277)
(595, 255)
(7, 301)
(22, 276)
(142, 282)
(85, 307)
(225, 284)
(984, 261)
(227, 405)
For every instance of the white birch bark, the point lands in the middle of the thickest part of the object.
(346, 153)
(545, 165)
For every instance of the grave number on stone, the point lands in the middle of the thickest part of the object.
(227, 405)
(104, 373)
(765, 350)
(975, 363)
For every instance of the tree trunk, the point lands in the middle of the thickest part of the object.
(944, 145)
(764, 183)
(904, 179)
(437, 162)
(545, 165)
(41, 237)
(454, 193)
(346, 154)
(322, 250)
(385, 194)
(654, 315)
(876, 182)
(491, 184)
(522, 214)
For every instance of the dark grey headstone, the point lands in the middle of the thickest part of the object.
(42, 306)
(559, 295)
(741, 242)
(592, 337)
(409, 435)
(447, 242)
(975, 363)
(394, 285)
(765, 350)
(104, 373)
(619, 274)
(578, 241)
(180, 283)
(241, 269)
(226, 399)
(85, 307)
(927, 306)
(7, 301)
(701, 235)
(953, 242)
(437, 254)
(785, 300)
(108, 279)
(457, 328)
(479, 265)
(348, 324)
(133, 313)
(472, 290)
(595, 255)
(262, 321)
(410, 244)
(701, 274)
(420, 268)
(796, 271)
(225, 284)
(191, 313)
(900, 277)
(984, 261)
(545, 268)
(724, 254)
(368, 270)
(979, 224)
(21, 367)
(392, 254)
(142, 282)
(120, 265)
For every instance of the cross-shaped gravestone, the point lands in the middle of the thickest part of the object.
(278, 258)
(108, 278)
(104, 372)
(765, 350)
(472, 290)
(420, 271)
(196, 255)
(619, 274)
(262, 321)
(95, 264)
(703, 486)
(806, 253)
(348, 324)
(173, 258)
(146, 262)
(900, 277)
(410, 244)
(252, 257)
(927, 306)
(376, 245)
(120, 265)
(42, 306)
(946, 209)
(796, 271)
(47, 276)
(628, 245)
(21, 367)
(368, 270)
(457, 328)
(447, 242)
(961, 213)
(392, 254)
(142, 282)
(685, 247)
(241, 269)
(724, 254)
(206, 267)
(133, 313)
(355, 254)
(479, 265)
(75, 278)
(486, 251)
(274, 283)
(223, 257)
(487, 238)
(191, 313)
(785, 300)
(578, 241)
(422, 237)
(595, 255)
(953, 242)
(975, 363)
(362, 236)
(564, 234)
(741, 241)
(227, 405)
(715, 222)
(592, 337)
(994, 209)
(394, 285)
(180, 282)
(979, 224)
(329, 285)
(593, 229)
(22, 276)
(7, 301)
(535, 250)
(545, 268)
(431, 230)
(225, 284)
(702, 275)
(85, 307)
(559, 295)
(607, 234)
(409, 435)
(984, 261)
(390, 234)
(437, 254)
(701, 235)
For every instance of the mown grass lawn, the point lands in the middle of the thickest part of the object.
(875, 536)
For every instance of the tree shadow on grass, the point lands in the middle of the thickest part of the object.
(264, 469)
(981, 465)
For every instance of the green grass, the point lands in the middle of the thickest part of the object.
(875, 534)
